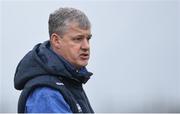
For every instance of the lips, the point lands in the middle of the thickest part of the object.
(84, 56)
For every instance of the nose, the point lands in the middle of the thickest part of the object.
(85, 45)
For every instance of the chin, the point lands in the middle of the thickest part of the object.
(83, 64)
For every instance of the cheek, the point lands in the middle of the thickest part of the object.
(75, 52)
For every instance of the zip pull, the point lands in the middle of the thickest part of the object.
(78, 107)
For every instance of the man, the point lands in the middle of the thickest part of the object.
(52, 73)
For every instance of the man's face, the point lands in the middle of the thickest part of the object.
(74, 45)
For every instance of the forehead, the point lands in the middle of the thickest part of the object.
(74, 28)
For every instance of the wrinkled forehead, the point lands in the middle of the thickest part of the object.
(75, 27)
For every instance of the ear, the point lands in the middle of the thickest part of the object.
(55, 40)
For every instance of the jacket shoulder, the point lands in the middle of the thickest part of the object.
(45, 99)
(50, 82)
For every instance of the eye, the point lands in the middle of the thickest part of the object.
(78, 39)
(88, 38)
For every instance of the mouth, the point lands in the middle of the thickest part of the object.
(84, 56)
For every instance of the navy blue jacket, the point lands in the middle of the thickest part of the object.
(43, 68)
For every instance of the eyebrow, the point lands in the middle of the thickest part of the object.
(89, 36)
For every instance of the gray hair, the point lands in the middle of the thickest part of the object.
(61, 18)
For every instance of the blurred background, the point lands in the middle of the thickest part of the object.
(135, 51)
